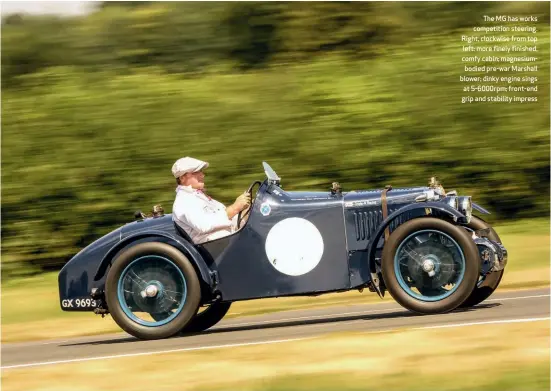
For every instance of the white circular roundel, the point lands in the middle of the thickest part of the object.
(294, 246)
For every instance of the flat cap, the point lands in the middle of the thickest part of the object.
(187, 164)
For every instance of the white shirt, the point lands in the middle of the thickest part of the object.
(202, 217)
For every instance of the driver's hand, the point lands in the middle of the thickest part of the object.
(243, 201)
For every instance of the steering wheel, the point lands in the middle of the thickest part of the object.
(242, 215)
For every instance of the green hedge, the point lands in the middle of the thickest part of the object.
(84, 146)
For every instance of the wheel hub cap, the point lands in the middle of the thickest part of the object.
(150, 291)
(428, 265)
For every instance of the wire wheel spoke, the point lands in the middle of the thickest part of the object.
(429, 265)
(152, 290)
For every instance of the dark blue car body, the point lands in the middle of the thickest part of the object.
(237, 267)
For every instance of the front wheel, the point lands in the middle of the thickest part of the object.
(430, 265)
(152, 290)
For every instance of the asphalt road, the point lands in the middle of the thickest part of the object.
(519, 306)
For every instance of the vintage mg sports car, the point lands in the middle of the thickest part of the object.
(422, 244)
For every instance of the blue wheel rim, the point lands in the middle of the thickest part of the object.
(134, 289)
(429, 265)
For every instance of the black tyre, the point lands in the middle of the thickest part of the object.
(152, 290)
(207, 318)
(489, 283)
(430, 266)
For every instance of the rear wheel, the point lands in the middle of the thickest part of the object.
(207, 318)
(430, 266)
(152, 290)
(486, 284)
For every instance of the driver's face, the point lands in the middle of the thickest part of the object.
(195, 179)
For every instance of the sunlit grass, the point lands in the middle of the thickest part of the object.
(483, 357)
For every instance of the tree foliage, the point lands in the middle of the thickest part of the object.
(96, 109)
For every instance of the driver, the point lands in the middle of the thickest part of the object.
(202, 217)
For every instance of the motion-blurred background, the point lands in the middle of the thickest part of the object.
(97, 107)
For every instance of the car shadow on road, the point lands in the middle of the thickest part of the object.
(477, 307)
(329, 319)
(273, 324)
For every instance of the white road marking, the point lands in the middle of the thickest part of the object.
(292, 339)
(152, 353)
(452, 325)
(443, 326)
(321, 316)
(355, 313)
(517, 298)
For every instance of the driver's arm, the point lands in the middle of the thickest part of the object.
(232, 211)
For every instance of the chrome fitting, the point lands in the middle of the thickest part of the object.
(493, 255)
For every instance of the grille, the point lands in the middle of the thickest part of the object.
(366, 223)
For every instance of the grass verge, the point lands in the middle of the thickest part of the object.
(481, 357)
(30, 308)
